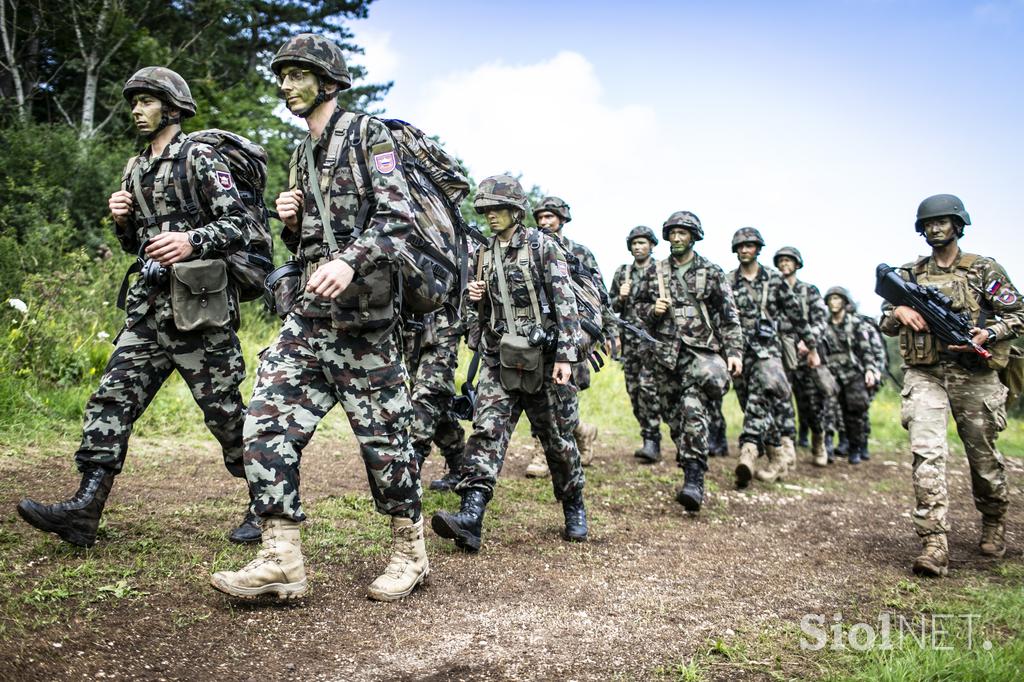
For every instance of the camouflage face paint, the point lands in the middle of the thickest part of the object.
(299, 87)
(640, 248)
(500, 219)
(938, 231)
(786, 265)
(146, 111)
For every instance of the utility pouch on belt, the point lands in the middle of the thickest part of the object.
(710, 372)
(790, 357)
(367, 303)
(199, 295)
(522, 365)
(826, 383)
(281, 288)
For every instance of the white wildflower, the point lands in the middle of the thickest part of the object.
(18, 305)
(102, 336)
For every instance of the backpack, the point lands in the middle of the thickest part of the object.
(590, 299)
(247, 162)
(436, 271)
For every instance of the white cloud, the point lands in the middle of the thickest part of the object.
(379, 58)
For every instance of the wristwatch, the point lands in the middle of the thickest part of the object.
(197, 241)
(991, 335)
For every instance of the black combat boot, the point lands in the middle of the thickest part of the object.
(864, 454)
(802, 439)
(75, 520)
(466, 526)
(451, 477)
(830, 446)
(650, 452)
(854, 450)
(575, 519)
(248, 531)
(691, 495)
(843, 447)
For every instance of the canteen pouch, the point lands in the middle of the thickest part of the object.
(281, 288)
(710, 373)
(790, 357)
(199, 295)
(367, 304)
(522, 365)
(826, 383)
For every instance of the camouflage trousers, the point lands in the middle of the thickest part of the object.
(851, 403)
(210, 361)
(716, 421)
(553, 413)
(432, 368)
(685, 409)
(836, 416)
(642, 387)
(977, 401)
(767, 401)
(813, 408)
(305, 372)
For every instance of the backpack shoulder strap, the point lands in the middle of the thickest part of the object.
(293, 166)
(129, 169)
(183, 178)
(662, 268)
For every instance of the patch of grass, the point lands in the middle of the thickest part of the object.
(688, 671)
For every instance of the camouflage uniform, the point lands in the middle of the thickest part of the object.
(849, 357)
(639, 371)
(812, 407)
(327, 354)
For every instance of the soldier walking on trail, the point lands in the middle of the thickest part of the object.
(851, 360)
(688, 306)
(340, 343)
(151, 220)
(812, 405)
(881, 359)
(527, 333)
(940, 379)
(639, 371)
(764, 393)
(552, 214)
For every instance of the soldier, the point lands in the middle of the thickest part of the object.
(527, 333)
(551, 215)
(852, 362)
(641, 384)
(340, 343)
(939, 379)
(881, 358)
(151, 220)
(431, 354)
(688, 306)
(763, 300)
(812, 406)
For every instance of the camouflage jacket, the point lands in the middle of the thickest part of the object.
(876, 341)
(978, 286)
(770, 291)
(627, 307)
(847, 345)
(224, 223)
(390, 213)
(703, 314)
(586, 258)
(424, 331)
(550, 279)
(812, 306)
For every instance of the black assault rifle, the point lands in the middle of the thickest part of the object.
(934, 306)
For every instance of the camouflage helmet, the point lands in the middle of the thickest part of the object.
(685, 219)
(167, 85)
(556, 206)
(744, 235)
(839, 291)
(641, 232)
(322, 54)
(500, 190)
(941, 205)
(790, 251)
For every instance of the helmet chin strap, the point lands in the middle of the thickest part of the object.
(321, 96)
(165, 121)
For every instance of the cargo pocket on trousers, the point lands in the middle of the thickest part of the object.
(996, 406)
(390, 408)
(906, 413)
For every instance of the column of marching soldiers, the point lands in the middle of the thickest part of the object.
(534, 311)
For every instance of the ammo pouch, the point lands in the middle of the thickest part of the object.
(824, 381)
(710, 372)
(199, 295)
(368, 303)
(1012, 375)
(790, 356)
(522, 365)
(281, 288)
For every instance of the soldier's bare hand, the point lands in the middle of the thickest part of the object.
(978, 335)
(476, 290)
(801, 348)
(168, 248)
(289, 208)
(813, 359)
(625, 288)
(735, 366)
(871, 378)
(561, 373)
(120, 204)
(661, 306)
(909, 317)
(330, 279)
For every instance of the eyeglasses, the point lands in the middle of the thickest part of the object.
(295, 76)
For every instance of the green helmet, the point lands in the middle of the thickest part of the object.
(556, 206)
(942, 205)
(641, 232)
(790, 251)
(839, 291)
(167, 85)
(500, 190)
(684, 219)
(744, 235)
(323, 55)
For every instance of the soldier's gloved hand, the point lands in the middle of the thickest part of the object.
(330, 279)
(120, 203)
(734, 365)
(168, 248)
(813, 359)
(909, 317)
(562, 373)
(289, 208)
(625, 288)
(661, 306)
(871, 378)
(476, 290)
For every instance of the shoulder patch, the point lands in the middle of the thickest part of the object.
(384, 159)
(993, 287)
(224, 180)
(563, 268)
(1008, 298)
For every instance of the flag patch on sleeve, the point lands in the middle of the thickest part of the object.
(385, 162)
(224, 180)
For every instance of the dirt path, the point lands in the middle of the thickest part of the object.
(650, 588)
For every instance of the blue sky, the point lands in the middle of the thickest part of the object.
(821, 123)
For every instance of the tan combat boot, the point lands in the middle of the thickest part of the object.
(745, 468)
(993, 537)
(586, 436)
(818, 450)
(787, 457)
(770, 471)
(934, 558)
(409, 566)
(277, 568)
(538, 466)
